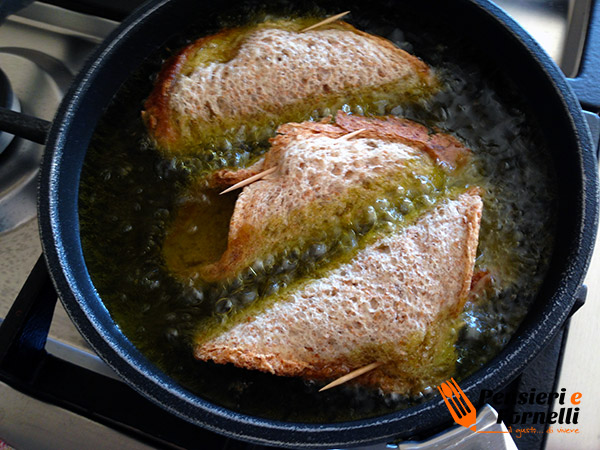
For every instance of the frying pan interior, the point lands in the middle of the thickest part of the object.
(475, 34)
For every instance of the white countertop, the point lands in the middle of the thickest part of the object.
(581, 367)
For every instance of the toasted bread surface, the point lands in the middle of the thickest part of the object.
(444, 148)
(270, 74)
(396, 302)
(322, 181)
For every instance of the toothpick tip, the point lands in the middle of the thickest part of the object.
(350, 376)
(348, 136)
(325, 21)
(249, 180)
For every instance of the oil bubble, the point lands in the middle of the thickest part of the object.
(223, 306)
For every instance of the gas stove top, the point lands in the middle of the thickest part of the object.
(41, 48)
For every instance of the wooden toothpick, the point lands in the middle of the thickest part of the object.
(326, 21)
(351, 375)
(351, 135)
(249, 180)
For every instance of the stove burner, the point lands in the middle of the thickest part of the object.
(39, 81)
(9, 100)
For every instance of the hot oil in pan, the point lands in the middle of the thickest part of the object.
(129, 195)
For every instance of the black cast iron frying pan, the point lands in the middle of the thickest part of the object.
(544, 88)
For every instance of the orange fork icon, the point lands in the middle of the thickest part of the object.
(462, 410)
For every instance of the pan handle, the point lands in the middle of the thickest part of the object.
(587, 82)
(24, 125)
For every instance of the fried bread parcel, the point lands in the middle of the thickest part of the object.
(397, 302)
(240, 84)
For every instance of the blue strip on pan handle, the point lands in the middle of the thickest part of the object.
(594, 122)
(587, 83)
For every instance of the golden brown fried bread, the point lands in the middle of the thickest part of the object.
(443, 148)
(241, 83)
(396, 302)
(323, 180)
